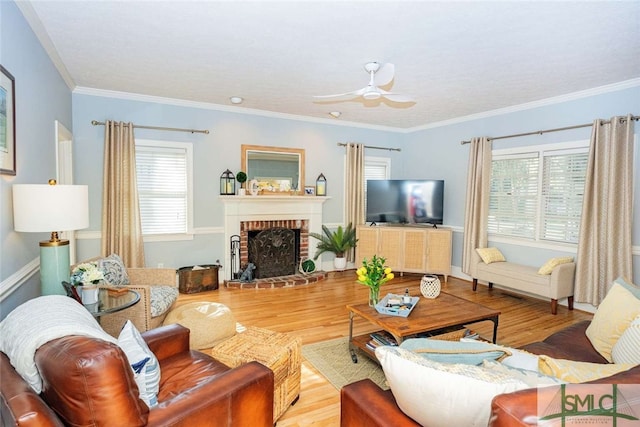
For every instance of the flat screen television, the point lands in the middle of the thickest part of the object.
(403, 201)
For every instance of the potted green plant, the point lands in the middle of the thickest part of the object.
(338, 242)
(241, 177)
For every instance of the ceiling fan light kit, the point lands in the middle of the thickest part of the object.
(379, 75)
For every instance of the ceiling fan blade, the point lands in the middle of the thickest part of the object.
(347, 95)
(384, 75)
(397, 97)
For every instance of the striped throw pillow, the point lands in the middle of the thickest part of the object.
(627, 348)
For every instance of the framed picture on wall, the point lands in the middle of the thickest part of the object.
(7, 123)
(309, 190)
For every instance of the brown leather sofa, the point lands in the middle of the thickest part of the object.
(88, 381)
(364, 404)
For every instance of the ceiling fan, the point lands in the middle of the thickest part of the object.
(380, 75)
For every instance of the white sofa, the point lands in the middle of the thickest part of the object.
(557, 285)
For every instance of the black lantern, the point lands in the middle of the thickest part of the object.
(227, 183)
(321, 185)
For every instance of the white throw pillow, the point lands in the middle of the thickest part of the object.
(627, 348)
(443, 395)
(144, 363)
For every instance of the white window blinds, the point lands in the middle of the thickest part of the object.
(514, 195)
(562, 194)
(163, 187)
(538, 194)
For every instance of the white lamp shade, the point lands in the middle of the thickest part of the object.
(48, 208)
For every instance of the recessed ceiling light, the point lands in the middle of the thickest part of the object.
(236, 100)
(335, 114)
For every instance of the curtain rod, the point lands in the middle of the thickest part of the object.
(342, 144)
(540, 132)
(206, 131)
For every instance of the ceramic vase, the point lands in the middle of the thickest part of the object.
(89, 294)
(430, 286)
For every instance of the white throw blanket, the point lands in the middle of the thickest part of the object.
(39, 321)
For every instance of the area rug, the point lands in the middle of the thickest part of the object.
(333, 359)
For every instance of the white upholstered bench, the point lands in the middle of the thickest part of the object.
(557, 285)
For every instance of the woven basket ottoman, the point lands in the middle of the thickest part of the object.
(279, 352)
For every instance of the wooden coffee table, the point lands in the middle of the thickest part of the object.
(428, 315)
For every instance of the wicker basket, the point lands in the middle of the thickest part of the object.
(199, 280)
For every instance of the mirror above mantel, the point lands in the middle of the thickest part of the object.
(278, 170)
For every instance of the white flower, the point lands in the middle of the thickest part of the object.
(86, 273)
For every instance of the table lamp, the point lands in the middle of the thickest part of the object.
(44, 208)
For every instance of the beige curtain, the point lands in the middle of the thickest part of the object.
(354, 188)
(476, 209)
(121, 225)
(604, 248)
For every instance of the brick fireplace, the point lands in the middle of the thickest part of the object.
(247, 213)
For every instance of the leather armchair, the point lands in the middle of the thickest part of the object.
(89, 381)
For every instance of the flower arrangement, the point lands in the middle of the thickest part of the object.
(374, 274)
(86, 273)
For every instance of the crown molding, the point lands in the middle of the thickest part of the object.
(627, 84)
(83, 90)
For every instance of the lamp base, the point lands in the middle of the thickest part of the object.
(54, 266)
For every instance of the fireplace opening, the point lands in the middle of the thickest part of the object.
(274, 251)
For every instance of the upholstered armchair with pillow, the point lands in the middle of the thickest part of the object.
(157, 288)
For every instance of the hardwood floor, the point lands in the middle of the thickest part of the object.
(317, 312)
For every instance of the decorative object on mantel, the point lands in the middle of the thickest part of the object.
(430, 286)
(254, 187)
(227, 183)
(338, 242)
(307, 266)
(241, 177)
(374, 274)
(321, 185)
(309, 190)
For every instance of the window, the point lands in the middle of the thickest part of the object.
(164, 186)
(536, 192)
(375, 168)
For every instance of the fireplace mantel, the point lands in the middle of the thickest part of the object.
(263, 208)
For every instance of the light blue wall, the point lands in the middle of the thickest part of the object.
(41, 98)
(437, 153)
(213, 154)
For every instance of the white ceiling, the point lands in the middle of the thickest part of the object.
(456, 58)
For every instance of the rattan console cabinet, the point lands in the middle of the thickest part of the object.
(410, 249)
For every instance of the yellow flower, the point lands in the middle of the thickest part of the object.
(374, 273)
